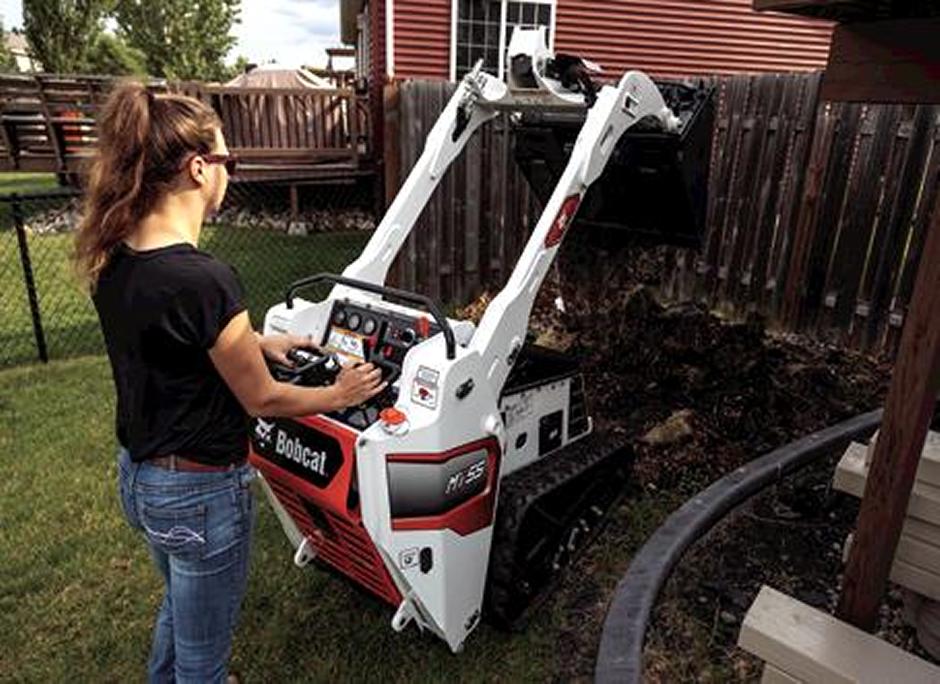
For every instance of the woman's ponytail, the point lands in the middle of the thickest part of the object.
(142, 142)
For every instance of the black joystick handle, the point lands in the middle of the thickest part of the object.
(304, 357)
(390, 370)
(310, 368)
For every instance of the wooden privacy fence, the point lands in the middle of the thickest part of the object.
(817, 211)
(473, 229)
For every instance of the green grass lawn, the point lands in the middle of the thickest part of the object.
(19, 181)
(25, 184)
(78, 593)
(267, 262)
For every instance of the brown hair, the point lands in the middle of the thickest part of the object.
(143, 140)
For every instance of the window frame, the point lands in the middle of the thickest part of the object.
(504, 9)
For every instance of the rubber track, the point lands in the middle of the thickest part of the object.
(518, 492)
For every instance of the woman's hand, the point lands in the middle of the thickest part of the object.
(355, 384)
(275, 347)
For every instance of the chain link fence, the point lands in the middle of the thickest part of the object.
(272, 232)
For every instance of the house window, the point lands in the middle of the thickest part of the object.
(483, 29)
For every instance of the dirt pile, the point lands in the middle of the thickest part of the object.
(739, 391)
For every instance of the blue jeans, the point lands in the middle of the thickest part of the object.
(198, 526)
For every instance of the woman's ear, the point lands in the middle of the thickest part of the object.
(197, 170)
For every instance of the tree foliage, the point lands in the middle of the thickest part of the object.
(182, 39)
(61, 32)
(241, 65)
(176, 39)
(109, 54)
(7, 60)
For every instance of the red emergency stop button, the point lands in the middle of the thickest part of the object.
(392, 416)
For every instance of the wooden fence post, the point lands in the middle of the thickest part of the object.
(807, 220)
(352, 124)
(391, 154)
(908, 411)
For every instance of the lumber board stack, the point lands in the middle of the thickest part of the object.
(799, 644)
(916, 565)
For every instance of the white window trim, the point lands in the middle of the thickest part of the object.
(453, 41)
(502, 33)
(390, 38)
(551, 38)
(501, 62)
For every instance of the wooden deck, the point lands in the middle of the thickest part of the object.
(292, 132)
(48, 124)
(47, 121)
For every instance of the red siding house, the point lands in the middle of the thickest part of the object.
(441, 39)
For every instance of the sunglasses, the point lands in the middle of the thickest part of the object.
(229, 160)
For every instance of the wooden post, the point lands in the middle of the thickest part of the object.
(352, 125)
(52, 130)
(807, 220)
(389, 156)
(391, 139)
(908, 411)
(294, 203)
(12, 143)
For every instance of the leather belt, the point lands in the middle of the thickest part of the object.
(174, 462)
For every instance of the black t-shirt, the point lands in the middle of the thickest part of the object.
(161, 310)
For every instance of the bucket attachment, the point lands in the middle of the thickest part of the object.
(655, 187)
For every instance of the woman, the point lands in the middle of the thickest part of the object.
(187, 366)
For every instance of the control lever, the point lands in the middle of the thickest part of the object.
(374, 355)
(310, 369)
(390, 370)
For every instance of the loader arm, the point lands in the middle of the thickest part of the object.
(499, 337)
(469, 108)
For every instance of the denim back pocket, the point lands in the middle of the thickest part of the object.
(179, 532)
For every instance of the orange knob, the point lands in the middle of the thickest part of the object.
(392, 416)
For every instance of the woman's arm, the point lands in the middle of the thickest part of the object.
(237, 356)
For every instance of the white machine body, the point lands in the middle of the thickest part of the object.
(419, 484)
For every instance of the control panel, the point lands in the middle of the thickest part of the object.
(359, 333)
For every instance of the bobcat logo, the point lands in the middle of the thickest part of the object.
(263, 432)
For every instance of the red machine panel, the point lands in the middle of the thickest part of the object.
(310, 464)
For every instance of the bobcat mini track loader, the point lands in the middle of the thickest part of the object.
(476, 477)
